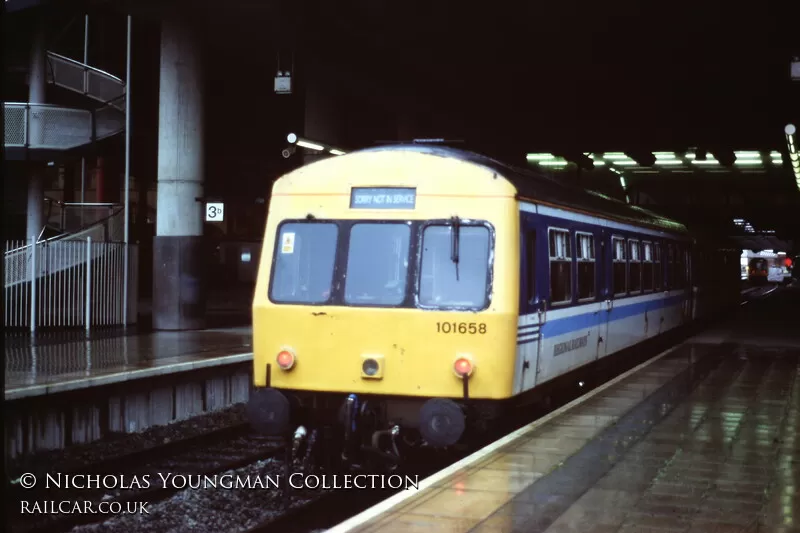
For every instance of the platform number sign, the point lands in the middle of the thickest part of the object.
(215, 212)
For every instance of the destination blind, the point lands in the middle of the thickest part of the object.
(383, 198)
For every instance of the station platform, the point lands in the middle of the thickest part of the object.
(62, 394)
(54, 368)
(704, 437)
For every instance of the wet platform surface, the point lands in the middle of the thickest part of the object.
(703, 438)
(37, 370)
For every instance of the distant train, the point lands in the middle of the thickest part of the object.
(408, 293)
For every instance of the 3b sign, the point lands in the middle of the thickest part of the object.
(215, 212)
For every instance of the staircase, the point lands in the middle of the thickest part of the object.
(51, 127)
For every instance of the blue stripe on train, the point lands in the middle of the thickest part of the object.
(562, 326)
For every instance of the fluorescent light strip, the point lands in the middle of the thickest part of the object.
(310, 146)
(748, 154)
(626, 163)
(665, 155)
(599, 163)
(706, 162)
(669, 162)
(539, 157)
(748, 162)
(775, 154)
(336, 152)
(553, 163)
(615, 156)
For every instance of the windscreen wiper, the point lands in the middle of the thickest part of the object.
(454, 242)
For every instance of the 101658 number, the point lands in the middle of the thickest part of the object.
(471, 328)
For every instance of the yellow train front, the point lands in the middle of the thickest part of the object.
(386, 304)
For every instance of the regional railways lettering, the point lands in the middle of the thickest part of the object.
(568, 346)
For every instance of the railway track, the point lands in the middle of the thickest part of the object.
(148, 475)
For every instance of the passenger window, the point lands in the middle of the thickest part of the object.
(560, 267)
(530, 245)
(647, 267)
(658, 275)
(620, 278)
(670, 277)
(447, 283)
(680, 267)
(304, 258)
(377, 264)
(586, 266)
(635, 268)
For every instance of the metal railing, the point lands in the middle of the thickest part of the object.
(45, 126)
(69, 283)
(89, 81)
(19, 254)
(73, 217)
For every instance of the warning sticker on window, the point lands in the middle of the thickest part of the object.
(287, 245)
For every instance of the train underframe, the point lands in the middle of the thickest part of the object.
(369, 431)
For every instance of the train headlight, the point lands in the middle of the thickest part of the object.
(372, 366)
(463, 366)
(286, 359)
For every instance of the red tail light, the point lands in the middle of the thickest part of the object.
(285, 360)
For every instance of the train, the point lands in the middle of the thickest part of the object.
(408, 295)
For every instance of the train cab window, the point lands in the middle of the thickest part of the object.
(634, 268)
(377, 264)
(586, 266)
(647, 266)
(620, 267)
(455, 276)
(658, 276)
(304, 258)
(560, 267)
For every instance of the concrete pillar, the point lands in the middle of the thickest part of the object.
(36, 95)
(179, 258)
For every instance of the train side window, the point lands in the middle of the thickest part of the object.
(670, 281)
(658, 276)
(586, 266)
(560, 267)
(304, 259)
(620, 278)
(647, 266)
(635, 267)
(530, 250)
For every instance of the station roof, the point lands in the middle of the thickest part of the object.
(537, 186)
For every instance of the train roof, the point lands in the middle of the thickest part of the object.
(538, 187)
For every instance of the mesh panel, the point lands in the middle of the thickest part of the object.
(59, 128)
(67, 74)
(110, 121)
(14, 125)
(103, 87)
